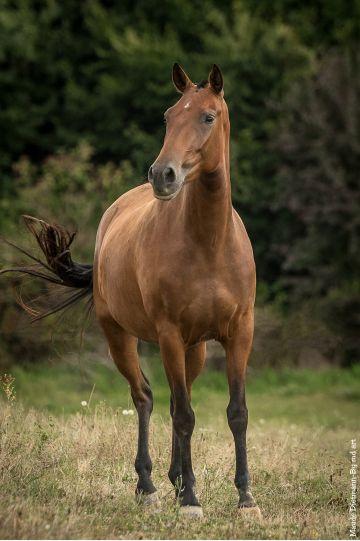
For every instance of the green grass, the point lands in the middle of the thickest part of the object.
(66, 471)
(328, 397)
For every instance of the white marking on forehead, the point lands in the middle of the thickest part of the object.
(187, 105)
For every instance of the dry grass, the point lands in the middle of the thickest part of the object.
(73, 477)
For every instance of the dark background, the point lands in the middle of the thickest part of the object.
(83, 87)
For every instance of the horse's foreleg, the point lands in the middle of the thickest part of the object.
(194, 363)
(143, 400)
(123, 350)
(175, 466)
(237, 353)
(173, 355)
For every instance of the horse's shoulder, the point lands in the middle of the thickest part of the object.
(123, 205)
(134, 198)
(243, 242)
(240, 229)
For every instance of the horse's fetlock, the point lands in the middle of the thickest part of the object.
(143, 465)
(175, 477)
(242, 483)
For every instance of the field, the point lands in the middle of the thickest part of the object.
(67, 469)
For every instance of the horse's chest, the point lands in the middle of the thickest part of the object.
(203, 307)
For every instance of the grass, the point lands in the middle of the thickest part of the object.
(66, 471)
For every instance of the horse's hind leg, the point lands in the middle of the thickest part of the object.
(194, 363)
(123, 350)
(173, 356)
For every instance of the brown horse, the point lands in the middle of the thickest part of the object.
(174, 265)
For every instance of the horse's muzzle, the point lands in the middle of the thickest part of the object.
(165, 181)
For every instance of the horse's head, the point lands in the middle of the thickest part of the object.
(197, 129)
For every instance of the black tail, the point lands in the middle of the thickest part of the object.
(59, 268)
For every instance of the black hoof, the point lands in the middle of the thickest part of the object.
(247, 500)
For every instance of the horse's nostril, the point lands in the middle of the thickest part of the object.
(150, 174)
(169, 174)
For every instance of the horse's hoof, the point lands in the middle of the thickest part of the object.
(149, 500)
(191, 511)
(250, 513)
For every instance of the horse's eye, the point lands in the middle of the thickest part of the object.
(209, 119)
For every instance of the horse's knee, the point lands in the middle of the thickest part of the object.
(143, 399)
(237, 415)
(184, 421)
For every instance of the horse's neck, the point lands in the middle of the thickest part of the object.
(207, 208)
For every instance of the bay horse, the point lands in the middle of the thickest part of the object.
(174, 265)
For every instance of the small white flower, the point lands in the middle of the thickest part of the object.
(84, 403)
(47, 527)
(125, 412)
(130, 412)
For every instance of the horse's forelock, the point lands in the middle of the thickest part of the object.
(203, 84)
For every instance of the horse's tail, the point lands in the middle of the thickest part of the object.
(58, 267)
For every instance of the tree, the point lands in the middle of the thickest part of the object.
(320, 147)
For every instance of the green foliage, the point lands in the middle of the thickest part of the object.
(321, 24)
(104, 74)
(319, 144)
(104, 77)
(83, 87)
(67, 188)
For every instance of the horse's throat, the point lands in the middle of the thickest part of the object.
(208, 209)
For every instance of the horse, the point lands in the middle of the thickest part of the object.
(173, 265)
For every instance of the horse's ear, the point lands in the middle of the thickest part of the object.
(180, 79)
(216, 79)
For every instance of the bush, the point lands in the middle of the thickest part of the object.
(319, 192)
(66, 188)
